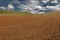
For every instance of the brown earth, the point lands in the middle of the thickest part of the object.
(30, 27)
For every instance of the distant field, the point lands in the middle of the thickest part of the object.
(30, 27)
(12, 12)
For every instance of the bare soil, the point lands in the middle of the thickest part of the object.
(30, 27)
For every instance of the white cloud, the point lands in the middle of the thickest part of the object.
(10, 6)
(54, 8)
(2, 8)
(57, 7)
(39, 7)
(35, 2)
(45, 1)
(55, 1)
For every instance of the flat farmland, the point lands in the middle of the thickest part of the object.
(30, 27)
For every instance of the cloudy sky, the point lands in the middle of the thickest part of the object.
(33, 6)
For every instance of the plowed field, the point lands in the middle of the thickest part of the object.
(30, 27)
